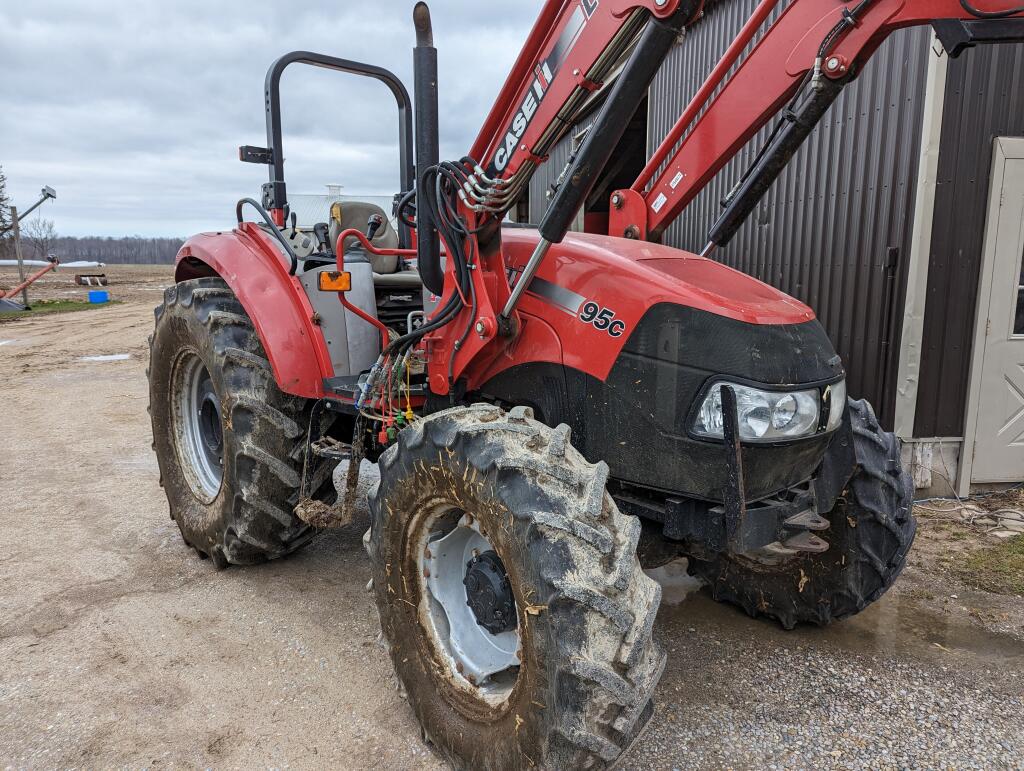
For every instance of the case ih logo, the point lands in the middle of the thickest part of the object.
(524, 116)
(543, 75)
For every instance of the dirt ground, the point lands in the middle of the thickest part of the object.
(118, 647)
(127, 283)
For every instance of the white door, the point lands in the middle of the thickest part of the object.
(999, 434)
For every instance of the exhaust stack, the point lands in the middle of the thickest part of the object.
(424, 59)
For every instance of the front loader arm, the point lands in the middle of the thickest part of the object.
(573, 48)
(811, 52)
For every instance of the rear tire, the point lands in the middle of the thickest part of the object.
(232, 499)
(870, 534)
(584, 610)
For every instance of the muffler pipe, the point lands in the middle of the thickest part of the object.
(424, 60)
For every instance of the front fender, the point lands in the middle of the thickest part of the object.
(256, 271)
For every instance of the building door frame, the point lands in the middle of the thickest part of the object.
(1004, 149)
(912, 334)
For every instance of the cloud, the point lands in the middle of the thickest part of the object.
(134, 111)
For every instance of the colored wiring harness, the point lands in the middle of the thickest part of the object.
(442, 186)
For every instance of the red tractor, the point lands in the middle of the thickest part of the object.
(550, 411)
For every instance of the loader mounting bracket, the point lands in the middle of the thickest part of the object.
(959, 34)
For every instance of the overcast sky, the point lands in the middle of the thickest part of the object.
(134, 111)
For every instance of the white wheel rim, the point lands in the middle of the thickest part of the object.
(483, 662)
(198, 426)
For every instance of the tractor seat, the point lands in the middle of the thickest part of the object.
(356, 214)
(403, 279)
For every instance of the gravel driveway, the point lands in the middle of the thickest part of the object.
(119, 647)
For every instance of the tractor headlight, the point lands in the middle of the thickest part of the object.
(764, 416)
(837, 402)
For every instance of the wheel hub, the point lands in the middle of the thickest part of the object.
(470, 609)
(489, 594)
(209, 424)
(198, 426)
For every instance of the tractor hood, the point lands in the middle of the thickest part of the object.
(589, 263)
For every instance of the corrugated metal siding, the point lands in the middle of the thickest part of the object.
(548, 173)
(823, 233)
(825, 230)
(984, 99)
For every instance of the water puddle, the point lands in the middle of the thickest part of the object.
(107, 357)
(676, 583)
(894, 623)
(145, 463)
(893, 626)
(7, 342)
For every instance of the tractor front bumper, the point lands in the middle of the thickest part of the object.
(780, 524)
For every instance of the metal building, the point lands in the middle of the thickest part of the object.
(899, 223)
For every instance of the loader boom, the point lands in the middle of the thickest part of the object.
(571, 51)
(811, 41)
(576, 45)
(797, 66)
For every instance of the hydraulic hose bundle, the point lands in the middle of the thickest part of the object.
(432, 209)
(436, 199)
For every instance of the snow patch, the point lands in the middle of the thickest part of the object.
(106, 357)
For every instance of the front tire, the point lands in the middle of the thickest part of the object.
(229, 443)
(578, 690)
(870, 533)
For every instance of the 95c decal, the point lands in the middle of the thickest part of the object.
(602, 318)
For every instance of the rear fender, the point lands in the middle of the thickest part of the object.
(255, 270)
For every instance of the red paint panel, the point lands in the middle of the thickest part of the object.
(257, 273)
(595, 222)
(627, 278)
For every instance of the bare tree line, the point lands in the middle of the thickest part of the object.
(135, 250)
(39, 239)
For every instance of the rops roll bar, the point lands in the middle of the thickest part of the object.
(275, 197)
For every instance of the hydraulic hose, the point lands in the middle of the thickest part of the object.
(965, 4)
(273, 229)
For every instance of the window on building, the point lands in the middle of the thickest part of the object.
(1018, 319)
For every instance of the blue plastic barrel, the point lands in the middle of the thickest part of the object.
(98, 296)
